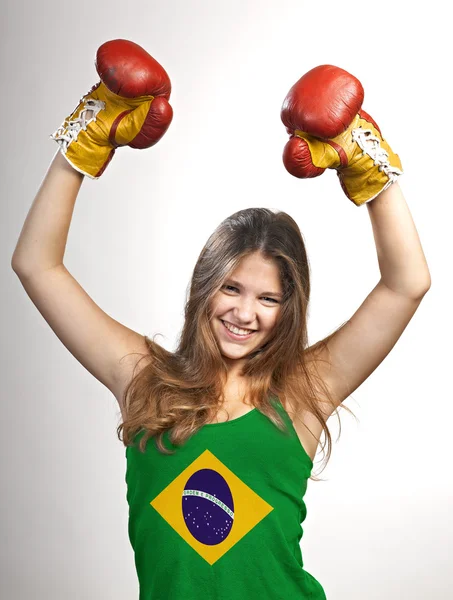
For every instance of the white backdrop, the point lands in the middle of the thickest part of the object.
(380, 524)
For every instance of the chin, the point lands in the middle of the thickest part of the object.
(239, 353)
(242, 356)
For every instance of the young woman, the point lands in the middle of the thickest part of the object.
(221, 434)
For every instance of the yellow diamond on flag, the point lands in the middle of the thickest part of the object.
(210, 507)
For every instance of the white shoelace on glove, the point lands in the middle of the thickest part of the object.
(371, 145)
(69, 130)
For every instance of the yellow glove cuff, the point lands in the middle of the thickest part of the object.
(365, 163)
(101, 122)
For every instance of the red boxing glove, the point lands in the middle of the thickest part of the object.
(129, 106)
(130, 72)
(322, 113)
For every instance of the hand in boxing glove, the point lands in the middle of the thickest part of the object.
(129, 106)
(329, 130)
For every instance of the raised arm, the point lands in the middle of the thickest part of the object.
(95, 339)
(363, 342)
(88, 138)
(330, 130)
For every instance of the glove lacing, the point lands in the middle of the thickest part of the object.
(69, 130)
(371, 145)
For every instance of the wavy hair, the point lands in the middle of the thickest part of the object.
(179, 392)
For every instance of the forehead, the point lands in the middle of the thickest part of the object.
(256, 269)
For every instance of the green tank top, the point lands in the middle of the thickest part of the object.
(221, 518)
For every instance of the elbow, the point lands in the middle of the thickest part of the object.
(14, 265)
(17, 267)
(425, 287)
(427, 282)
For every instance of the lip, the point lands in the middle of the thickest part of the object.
(234, 336)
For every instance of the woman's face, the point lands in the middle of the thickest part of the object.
(249, 299)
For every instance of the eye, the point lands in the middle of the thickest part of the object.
(265, 297)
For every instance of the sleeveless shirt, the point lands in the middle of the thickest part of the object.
(221, 518)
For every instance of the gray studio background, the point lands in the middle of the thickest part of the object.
(380, 524)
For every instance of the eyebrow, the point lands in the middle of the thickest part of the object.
(239, 285)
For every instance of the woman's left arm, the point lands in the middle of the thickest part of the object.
(329, 129)
(362, 343)
(400, 255)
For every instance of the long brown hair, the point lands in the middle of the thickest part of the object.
(181, 391)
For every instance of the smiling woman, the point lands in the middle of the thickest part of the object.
(233, 489)
(252, 274)
(241, 312)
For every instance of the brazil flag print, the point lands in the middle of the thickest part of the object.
(210, 507)
(221, 517)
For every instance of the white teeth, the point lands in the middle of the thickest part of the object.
(236, 330)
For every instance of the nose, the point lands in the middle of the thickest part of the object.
(244, 311)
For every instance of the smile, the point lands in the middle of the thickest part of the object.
(236, 332)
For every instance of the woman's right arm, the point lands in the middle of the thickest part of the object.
(96, 340)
